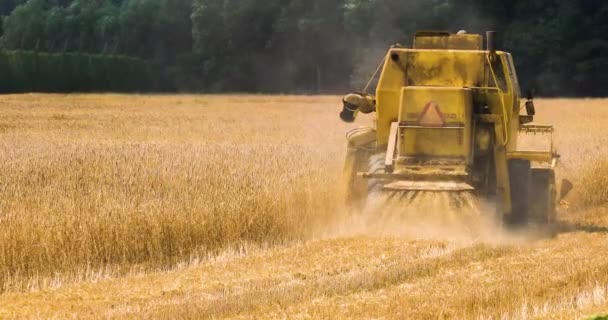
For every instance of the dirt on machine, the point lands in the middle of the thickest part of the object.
(449, 119)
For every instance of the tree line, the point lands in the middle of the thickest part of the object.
(308, 46)
(31, 71)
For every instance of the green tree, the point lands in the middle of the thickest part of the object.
(25, 27)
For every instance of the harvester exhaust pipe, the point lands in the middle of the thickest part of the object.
(491, 43)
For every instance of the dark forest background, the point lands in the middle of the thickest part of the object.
(304, 46)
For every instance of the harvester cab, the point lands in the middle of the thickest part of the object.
(447, 119)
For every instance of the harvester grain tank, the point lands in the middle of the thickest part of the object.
(447, 119)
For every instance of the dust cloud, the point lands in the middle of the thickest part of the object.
(419, 215)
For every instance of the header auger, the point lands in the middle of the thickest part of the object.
(447, 119)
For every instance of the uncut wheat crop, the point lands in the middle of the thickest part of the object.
(107, 183)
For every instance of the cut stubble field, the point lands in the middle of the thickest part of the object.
(193, 206)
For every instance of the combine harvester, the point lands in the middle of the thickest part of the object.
(448, 122)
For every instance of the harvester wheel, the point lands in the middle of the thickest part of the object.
(360, 189)
(543, 196)
(356, 187)
(520, 176)
(361, 146)
(376, 165)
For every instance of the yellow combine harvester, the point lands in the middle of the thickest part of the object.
(448, 120)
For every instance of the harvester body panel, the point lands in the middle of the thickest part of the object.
(492, 82)
(435, 122)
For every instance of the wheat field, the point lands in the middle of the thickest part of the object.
(188, 206)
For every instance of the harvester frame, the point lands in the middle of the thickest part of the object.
(448, 119)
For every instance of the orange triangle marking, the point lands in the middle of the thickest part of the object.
(431, 116)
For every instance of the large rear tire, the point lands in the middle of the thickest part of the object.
(361, 146)
(520, 177)
(543, 196)
(360, 188)
(377, 166)
(356, 187)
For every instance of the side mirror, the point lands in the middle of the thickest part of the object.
(530, 108)
(565, 189)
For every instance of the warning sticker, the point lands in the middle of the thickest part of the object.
(431, 116)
